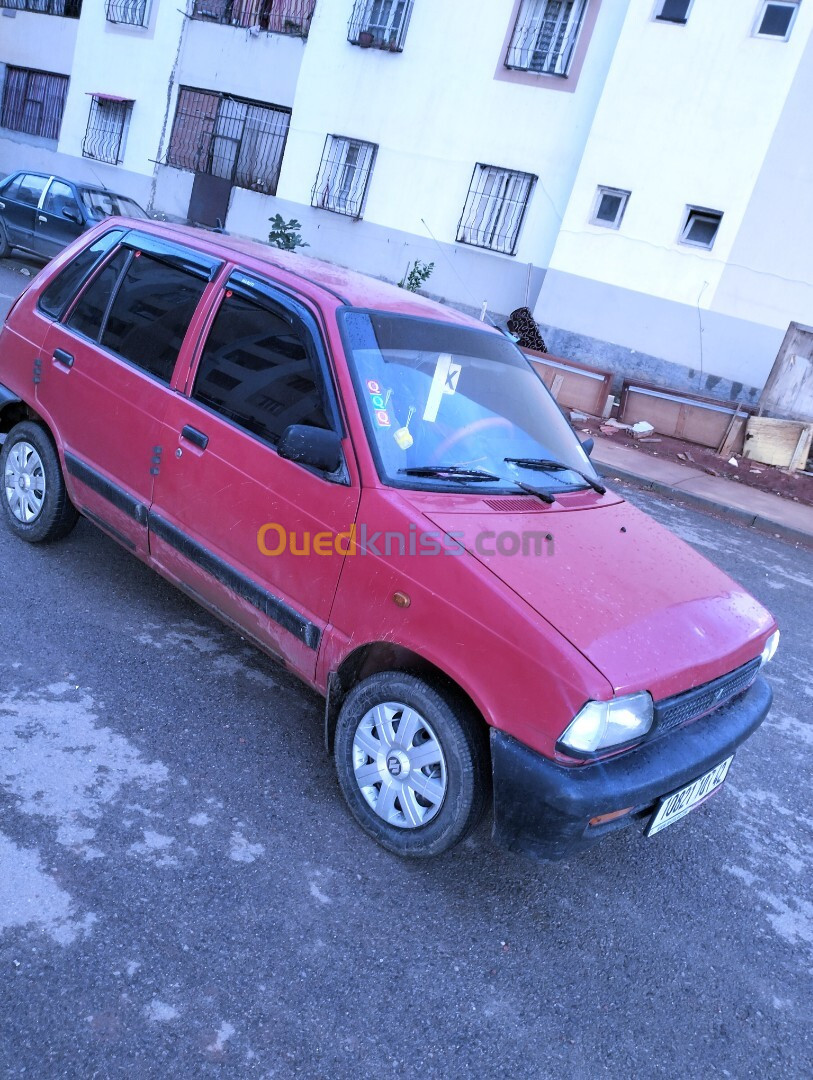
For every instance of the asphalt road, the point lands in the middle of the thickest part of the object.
(183, 894)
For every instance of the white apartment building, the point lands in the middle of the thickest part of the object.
(638, 172)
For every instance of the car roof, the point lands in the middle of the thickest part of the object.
(351, 287)
(66, 180)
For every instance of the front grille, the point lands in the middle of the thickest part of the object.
(681, 709)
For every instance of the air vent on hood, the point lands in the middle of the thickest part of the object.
(515, 506)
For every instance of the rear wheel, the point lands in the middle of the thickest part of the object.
(412, 763)
(33, 495)
(5, 246)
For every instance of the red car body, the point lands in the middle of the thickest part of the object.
(621, 606)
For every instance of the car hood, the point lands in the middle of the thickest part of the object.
(643, 606)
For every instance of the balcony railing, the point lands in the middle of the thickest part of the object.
(292, 17)
(70, 9)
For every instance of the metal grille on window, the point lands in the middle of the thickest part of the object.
(107, 123)
(380, 24)
(129, 12)
(70, 9)
(344, 175)
(33, 102)
(275, 16)
(545, 36)
(495, 208)
(238, 140)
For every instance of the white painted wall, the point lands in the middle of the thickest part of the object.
(38, 41)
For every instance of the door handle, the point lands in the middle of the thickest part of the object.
(42, 218)
(63, 358)
(197, 438)
(2, 206)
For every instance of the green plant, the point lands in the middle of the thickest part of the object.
(284, 234)
(415, 276)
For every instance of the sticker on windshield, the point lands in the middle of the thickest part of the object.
(382, 418)
(444, 381)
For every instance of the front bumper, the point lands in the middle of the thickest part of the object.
(544, 809)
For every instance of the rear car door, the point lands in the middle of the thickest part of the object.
(19, 206)
(261, 367)
(59, 220)
(106, 376)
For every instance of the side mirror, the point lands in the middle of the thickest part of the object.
(312, 446)
(588, 446)
(72, 215)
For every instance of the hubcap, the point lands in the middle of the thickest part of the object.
(24, 482)
(399, 765)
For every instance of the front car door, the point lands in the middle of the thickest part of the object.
(252, 535)
(19, 206)
(59, 219)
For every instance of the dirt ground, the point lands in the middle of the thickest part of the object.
(798, 487)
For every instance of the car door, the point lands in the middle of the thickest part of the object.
(59, 219)
(19, 206)
(253, 535)
(106, 376)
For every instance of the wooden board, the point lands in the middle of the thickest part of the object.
(575, 386)
(785, 443)
(698, 420)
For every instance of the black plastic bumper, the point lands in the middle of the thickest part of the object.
(544, 809)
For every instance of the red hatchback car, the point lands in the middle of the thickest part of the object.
(381, 493)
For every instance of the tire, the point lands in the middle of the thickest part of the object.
(35, 502)
(5, 246)
(430, 768)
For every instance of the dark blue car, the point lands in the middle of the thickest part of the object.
(42, 214)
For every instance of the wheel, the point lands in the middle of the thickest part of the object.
(412, 763)
(5, 246)
(35, 502)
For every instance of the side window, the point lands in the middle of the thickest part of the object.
(30, 189)
(258, 370)
(55, 298)
(59, 198)
(151, 312)
(88, 315)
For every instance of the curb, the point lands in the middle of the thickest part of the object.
(702, 502)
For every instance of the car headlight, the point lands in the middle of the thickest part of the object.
(601, 725)
(771, 645)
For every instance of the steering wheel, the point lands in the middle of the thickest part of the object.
(475, 428)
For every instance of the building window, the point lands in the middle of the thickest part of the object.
(673, 11)
(381, 24)
(776, 19)
(609, 207)
(545, 35)
(344, 175)
(233, 138)
(33, 102)
(107, 125)
(495, 208)
(700, 227)
(70, 9)
(291, 17)
(128, 12)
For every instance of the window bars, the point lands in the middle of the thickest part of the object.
(233, 138)
(128, 12)
(33, 102)
(495, 208)
(291, 17)
(344, 175)
(70, 9)
(380, 23)
(545, 36)
(107, 124)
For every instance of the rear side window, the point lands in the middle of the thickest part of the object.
(258, 370)
(88, 315)
(66, 284)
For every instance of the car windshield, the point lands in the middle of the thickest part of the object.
(436, 395)
(104, 204)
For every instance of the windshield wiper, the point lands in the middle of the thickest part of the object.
(550, 465)
(456, 472)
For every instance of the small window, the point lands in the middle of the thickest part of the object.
(609, 207)
(55, 298)
(60, 197)
(344, 175)
(776, 19)
(380, 24)
(544, 36)
(128, 12)
(107, 126)
(88, 315)
(29, 190)
(701, 226)
(257, 370)
(674, 11)
(495, 208)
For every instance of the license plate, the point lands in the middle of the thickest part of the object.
(677, 805)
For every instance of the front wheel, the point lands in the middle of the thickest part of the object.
(35, 502)
(412, 763)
